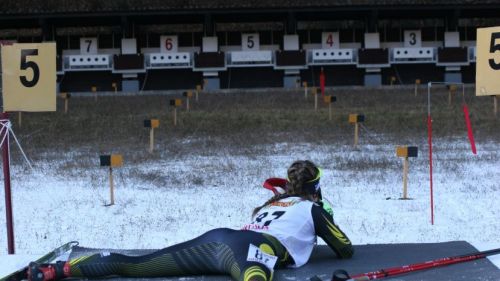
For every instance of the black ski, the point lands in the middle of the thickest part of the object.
(21, 274)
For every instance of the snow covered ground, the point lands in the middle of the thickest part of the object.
(179, 197)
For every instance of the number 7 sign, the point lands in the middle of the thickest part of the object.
(29, 77)
(488, 61)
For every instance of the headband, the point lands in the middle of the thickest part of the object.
(313, 186)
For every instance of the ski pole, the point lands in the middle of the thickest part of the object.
(341, 275)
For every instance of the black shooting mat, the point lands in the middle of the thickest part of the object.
(366, 258)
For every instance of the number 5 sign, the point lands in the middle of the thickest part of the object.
(488, 61)
(250, 41)
(29, 77)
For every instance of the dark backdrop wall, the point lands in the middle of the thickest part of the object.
(83, 81)
(170, 79)
(408, 73)
(252, 77)
(339, 75)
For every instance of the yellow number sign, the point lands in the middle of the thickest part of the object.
(29, 77)
(488, 61)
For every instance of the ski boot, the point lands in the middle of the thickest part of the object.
(48, 272)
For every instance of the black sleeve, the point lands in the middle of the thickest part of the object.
(331, 233)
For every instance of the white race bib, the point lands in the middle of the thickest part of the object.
(257, 255)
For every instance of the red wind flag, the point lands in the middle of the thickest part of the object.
(469, 128)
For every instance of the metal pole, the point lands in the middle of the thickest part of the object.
(111, 187)
(6, 174)
(151, 139)
(330, 111)
(429, 127)
(316, 102)
(429, 132)
(405, 178)
(175, 116)
(495, 105)
(356, 133)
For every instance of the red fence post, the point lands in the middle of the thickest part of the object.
(6, 174)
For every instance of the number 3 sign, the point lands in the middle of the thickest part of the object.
(488, 61)
(29, 77)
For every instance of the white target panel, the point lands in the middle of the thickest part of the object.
(88, 45)
(157, 59)
(129, 46)
(413, 38)
(88, 60)
(250, 42)
(426, 53)
(169, 43)
(372, 40)
(291, 42)
(452, 39)
(329, 55)
(210, 44)
(330, 40)
(251, 57)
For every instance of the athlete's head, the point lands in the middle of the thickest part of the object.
(303, 178)
(303, 181)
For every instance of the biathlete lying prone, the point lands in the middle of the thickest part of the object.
(282, 234)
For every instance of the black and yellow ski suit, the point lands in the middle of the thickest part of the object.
(219, 251)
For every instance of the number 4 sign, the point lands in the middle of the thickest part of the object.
(29, 77)
(330, 40)
(488, 61)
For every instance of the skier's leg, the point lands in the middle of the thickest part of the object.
(212, 252)
(198, 256)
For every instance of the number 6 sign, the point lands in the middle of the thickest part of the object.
(29, 77)
(488, 61)
(168, 43)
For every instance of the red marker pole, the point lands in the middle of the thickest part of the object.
(322, 82)
(469, 129)
(4, 120)
(389, 272)
(465, 108)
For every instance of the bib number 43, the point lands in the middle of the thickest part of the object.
(260, 218)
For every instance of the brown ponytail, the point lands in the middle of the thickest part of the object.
(299, 173)
(271, 200)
